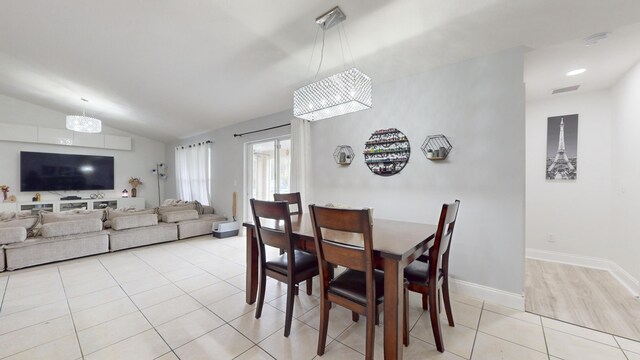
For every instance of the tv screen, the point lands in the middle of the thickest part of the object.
(59, 172)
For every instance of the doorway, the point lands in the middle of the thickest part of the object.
(268, 170)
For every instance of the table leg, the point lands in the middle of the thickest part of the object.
(252, 267)
(393, 308)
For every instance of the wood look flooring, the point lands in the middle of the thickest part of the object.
(583, 296)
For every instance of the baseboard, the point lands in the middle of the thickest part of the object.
(627, 280)
(485, 293)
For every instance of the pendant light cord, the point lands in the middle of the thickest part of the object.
(313, 52)
(353, 61)
(321, 54)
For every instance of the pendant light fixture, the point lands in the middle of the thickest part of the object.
(345, 92)
(83, 123)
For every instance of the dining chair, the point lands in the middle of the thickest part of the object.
(344, 237)
(272, 222)
(429, 274)
(292, 199)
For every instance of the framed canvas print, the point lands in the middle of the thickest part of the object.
(562, 147)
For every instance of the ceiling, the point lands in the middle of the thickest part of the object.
(172, 69)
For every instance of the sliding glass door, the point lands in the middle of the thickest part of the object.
(268, 170)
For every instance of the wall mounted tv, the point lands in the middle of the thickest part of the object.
(61, 172)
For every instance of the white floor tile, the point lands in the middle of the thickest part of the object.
(63, 349)
(168, 356)
(103, 313)
(517, 314)
(156, 296)
(183, 273)
(186, 328)
(10, 306)
(302, 303)
(88, 301)
(232, 307)
(33, 316)
(171, 309)
(570, 347)
(631, 355)
(335, 350)
(144, 284)
(214, 293)
(221, 343)
(32, 336)
(457, 340)
(626, 344)
(109, 333)
(197, 282)
(339, 320)
(90, 286)
(300, 345)
(272, 320)
(488, 347)
(517, 331)
(255, 353)
(579, 331)
(145, 346)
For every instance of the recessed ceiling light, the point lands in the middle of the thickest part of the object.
(576, 72)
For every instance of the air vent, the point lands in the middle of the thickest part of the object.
(565, 89)
(595, 38)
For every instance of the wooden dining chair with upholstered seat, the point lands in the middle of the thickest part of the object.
(344, 237)
(272, 222)
(429, 274)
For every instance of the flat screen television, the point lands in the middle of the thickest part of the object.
(62, 172)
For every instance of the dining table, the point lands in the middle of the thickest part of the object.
(395, 245)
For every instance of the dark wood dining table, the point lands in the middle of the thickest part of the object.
(396, 244)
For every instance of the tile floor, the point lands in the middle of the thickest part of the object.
(185, 300)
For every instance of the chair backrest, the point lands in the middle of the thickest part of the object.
(330, 226)
(292, 199)
(444, 234)
(272, 222)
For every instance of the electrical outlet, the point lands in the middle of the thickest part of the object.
(551, 238)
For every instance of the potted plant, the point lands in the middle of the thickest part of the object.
(5, 190)
(134, 182)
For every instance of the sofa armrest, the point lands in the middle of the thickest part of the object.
(134, 221)
(12, 235)
(206, 209)
(73, 227)
(175, 216)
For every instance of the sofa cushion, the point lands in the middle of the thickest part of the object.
(73, 227)
(175, 216)
(165, 209)
(12, 235)
(112, 214)
(135, 221)
(10, 215)
(49, 217)
(29, 223)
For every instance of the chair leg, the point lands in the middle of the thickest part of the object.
(439, 303)
(447, 300)
(261, 291)
(355, 316)
(289, 313)
(371, 332)
(309, 286)
(405, 320)
(377, 316)
(296, 289)
(435, 320)
(324, 325)
(425, 301)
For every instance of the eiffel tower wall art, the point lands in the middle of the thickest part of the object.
(562, 147)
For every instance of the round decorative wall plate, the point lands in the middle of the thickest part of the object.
(387, 152)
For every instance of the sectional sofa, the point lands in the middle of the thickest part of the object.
(27, 240)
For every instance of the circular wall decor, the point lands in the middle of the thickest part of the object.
(387, 152)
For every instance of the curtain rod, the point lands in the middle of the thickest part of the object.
(194, 145)
(265, 129)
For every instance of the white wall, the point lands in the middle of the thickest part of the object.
(626, 172)
(138, 162)
(479, 105)
(577, 213)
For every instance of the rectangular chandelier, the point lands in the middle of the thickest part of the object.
(345, 92)
(82, 123)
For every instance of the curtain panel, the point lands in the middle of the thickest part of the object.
(193, 172)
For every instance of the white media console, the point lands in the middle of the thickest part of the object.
(64, 205)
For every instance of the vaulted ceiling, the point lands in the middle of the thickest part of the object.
(170, 69)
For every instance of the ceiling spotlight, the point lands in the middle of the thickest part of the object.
(576, 72)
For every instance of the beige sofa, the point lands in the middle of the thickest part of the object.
(28, 240)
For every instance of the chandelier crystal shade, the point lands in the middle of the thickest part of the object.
(345, 92)
(85, 124)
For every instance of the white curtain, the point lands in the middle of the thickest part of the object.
(193, 172)
(301, 180)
